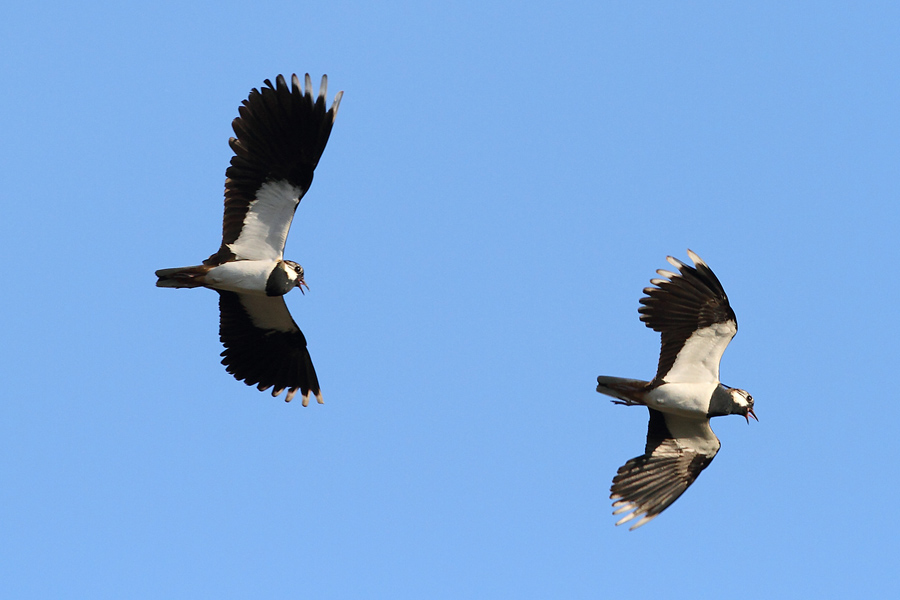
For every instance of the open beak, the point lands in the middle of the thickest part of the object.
(749, 414)
(302, 284)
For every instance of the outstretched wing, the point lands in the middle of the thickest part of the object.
(281, 134)
(677, 450)
(691, 311)
(264, 347)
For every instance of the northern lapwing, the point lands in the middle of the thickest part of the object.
(280, 135)
(691, 311)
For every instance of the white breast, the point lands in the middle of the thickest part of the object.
(244, 276)
(687, 399)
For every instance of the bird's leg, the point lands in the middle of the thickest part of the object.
(627, 402)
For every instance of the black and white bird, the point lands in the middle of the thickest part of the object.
(281, 134)
(691, 311)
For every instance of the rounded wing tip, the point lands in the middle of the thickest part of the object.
(318, 395)
(695, 257)
(336, 104)
(674, 262)
(307, 90)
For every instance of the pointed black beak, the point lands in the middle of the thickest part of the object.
(749, 414)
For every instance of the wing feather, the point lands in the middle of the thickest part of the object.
(263, 345)
(691, 311)
(281, 133)
(677, 450)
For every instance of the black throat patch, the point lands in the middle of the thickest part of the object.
(278, 283)
(721, 403)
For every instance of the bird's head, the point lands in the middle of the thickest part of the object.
(743, 403)
(295, 274)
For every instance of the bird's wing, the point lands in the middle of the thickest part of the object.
(264, 347)
(678, 449)
(691, 311)
(281, 134)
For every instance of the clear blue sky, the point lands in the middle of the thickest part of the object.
(501, 182)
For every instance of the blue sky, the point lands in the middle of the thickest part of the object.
(501, 182)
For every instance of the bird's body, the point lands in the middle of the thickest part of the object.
(685, 399)
(262, 277)
(691, 311)
(281, 133)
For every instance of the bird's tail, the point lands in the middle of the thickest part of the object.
(182, 277)
(628, 391)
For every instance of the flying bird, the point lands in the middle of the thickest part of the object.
(691, 311)
(280, 135)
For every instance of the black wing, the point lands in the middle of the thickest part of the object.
(691, 311)
(264, 347)
(646, 485)
(281, 134)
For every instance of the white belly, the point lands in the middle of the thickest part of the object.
(687, 399)
(244, 276)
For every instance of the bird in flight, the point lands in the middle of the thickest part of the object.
(280, 135)
(696, 323)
